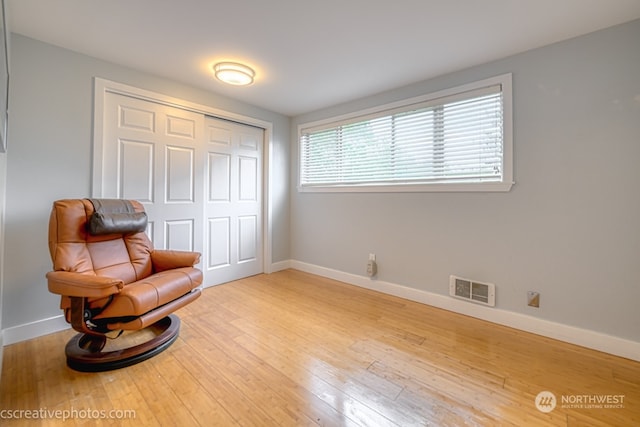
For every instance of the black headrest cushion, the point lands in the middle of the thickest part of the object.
(115, 216)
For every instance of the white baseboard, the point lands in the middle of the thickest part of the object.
(281, 265)
(570, 334)
(35, 329)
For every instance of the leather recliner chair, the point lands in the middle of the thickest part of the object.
(111, 279)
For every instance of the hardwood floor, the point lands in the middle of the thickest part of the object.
(293, 349)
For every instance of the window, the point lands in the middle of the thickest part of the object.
(453, 140)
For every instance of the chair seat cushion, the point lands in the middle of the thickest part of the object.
(142, 296)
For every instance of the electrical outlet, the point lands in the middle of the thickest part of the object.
(533, 299)
(372, 268)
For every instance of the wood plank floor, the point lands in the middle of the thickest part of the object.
(293, 349)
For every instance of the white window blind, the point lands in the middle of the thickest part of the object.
(458, 138)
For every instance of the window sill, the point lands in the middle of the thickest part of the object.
(487, 187)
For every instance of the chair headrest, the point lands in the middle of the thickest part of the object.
(115, 216)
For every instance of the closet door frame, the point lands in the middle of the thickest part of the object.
(103, 86)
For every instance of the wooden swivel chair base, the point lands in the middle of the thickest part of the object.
(85, 351)
(114, 286)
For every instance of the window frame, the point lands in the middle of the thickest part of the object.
(504, 80)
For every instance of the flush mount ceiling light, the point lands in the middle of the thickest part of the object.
(234, 73)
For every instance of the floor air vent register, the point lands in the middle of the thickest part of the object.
(473, 291)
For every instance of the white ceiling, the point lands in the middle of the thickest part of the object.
(309, 54)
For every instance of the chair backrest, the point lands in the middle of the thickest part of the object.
(124, 256)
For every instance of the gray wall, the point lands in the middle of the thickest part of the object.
(50, 157)
(569, 228)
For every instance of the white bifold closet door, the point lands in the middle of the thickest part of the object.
(234, 200)
(200, 179)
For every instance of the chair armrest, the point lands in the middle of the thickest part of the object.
(82, 285)
(168, 260)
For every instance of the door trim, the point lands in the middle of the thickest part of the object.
(103, 86)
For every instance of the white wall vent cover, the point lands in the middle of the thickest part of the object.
(470, 290)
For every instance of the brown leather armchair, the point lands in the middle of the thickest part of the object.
(111, 280)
